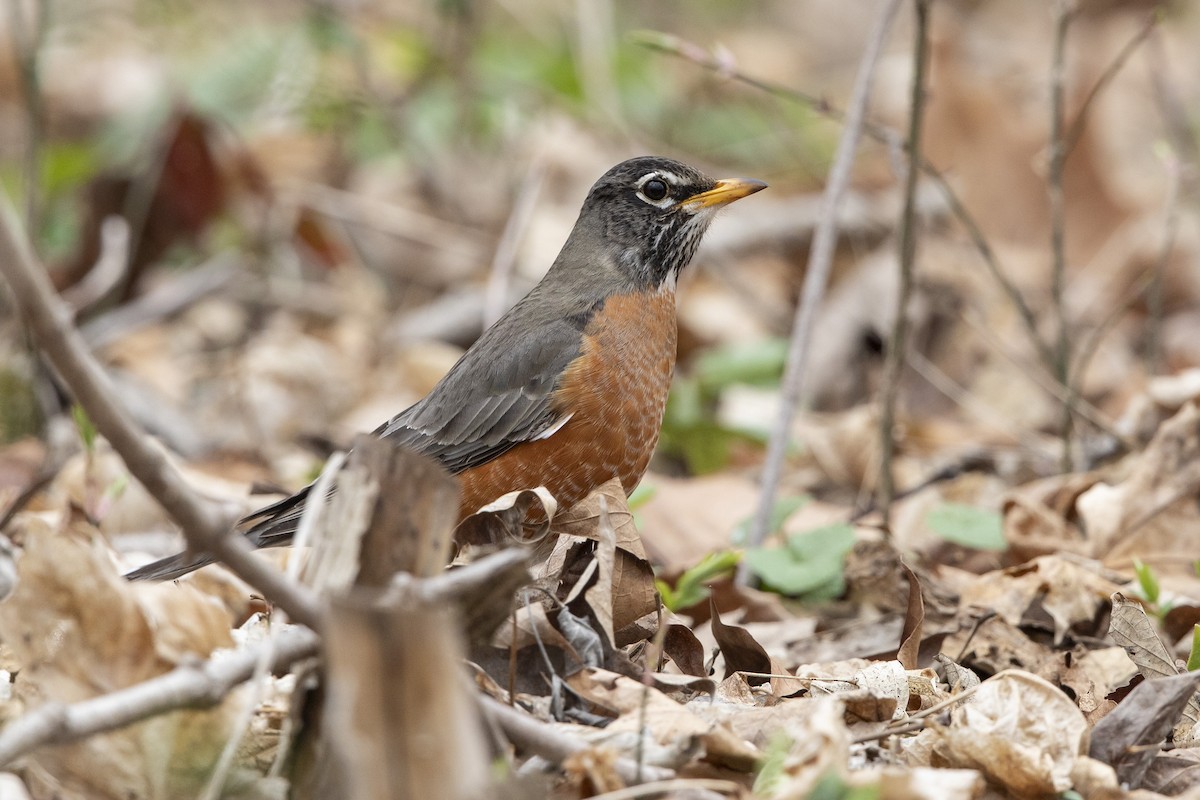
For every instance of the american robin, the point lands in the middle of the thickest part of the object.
(566, 390)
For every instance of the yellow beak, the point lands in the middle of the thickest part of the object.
(725, 192)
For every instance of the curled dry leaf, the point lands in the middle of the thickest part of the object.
(504, 520)
(79, 630)
(1020, 731)
(914, 622)
(632, 580)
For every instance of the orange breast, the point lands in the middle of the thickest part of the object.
(616, 391)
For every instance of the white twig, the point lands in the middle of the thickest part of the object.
(820, 261)
(191, 685)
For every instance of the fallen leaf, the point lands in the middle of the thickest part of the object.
(741, 652)
(1020, 731)
(1126, 738)
(914, 621)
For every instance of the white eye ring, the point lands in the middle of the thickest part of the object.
(666, 178)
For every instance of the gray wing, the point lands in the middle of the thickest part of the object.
(497, 396)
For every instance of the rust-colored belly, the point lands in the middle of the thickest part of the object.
(616, 392)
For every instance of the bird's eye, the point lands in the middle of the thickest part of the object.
(654, 189)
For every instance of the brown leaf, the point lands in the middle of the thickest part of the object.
(1165, 473)
(1133, 630)
(583, 519)
(741, 652)
(682, 647)
(503, 521)
(914, 621)
(1145, 717)
(600, 596)
(633, 594)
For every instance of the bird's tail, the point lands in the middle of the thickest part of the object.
(272, 526)
(171, 567)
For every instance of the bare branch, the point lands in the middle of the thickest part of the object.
(898, 342)
(816, 276)
(50, 322)
(1058, 156)
(536, 737)
(189, 686)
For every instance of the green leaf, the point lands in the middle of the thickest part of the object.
(811, 565)
(1193, 662)
(784, 508)
(771, 768)
(1147, 581)
(692, 586)
(758, 363)
(835, 539)
(968, 526)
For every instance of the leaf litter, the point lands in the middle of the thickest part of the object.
(998, 641)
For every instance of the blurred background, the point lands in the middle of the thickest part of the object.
(279, 223)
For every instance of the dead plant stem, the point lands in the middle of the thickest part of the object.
(820, 262)
(1058, 156)
(898, 342)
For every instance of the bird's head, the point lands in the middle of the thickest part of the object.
(649, 214)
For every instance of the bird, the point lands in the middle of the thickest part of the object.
(568, 388)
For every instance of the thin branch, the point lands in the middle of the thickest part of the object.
(190, 686)
(1111, 71)
(49, 321)
(675, 46)
(820, 261)
(1154, 298)
(898, 342)
(1058, 157)
(554, 745)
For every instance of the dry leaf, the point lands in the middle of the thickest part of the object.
(1020, 731)
(914, 621)
(1069, 593)
(1126, 738)
(80, 630)
(1165, 473)
(505, 520)
(741, 652)
(600, 596)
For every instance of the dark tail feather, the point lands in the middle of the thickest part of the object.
(171, 567)
(272, 526)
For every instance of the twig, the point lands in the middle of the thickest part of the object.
(898, 342)
(205, 529)
(879, 133)
(1154, 297)
(1081, 117)
(1091, 345)
(820, 261)
(556, 746)
(671, 787)
(1054, 186)
(1045, 382)
(189, 686)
